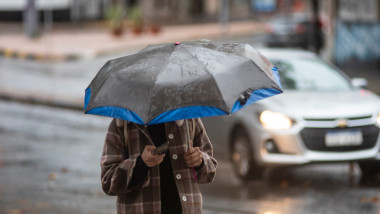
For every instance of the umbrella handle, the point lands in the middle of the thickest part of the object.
(189, 145)
(188, 133)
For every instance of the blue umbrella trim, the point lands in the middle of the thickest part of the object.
(111, 111)
(87, 96)
(255, 96)
(116, 112)
(260, 93)
(187, 113)
(276, 76)
(176, 114)
(172, 115)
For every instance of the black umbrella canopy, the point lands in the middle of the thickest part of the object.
(165, 77)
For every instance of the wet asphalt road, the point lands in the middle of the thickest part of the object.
(49, 163)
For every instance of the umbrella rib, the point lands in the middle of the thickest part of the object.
(150, 94)
(158, 74)
(179, 59)
(207, 71)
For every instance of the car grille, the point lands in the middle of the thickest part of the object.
(314, 138)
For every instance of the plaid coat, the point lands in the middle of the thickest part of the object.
(123, 146)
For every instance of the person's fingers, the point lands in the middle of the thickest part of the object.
(194, 160)
(193, 153)
(194, 157)
(194, 149)
(161, 158)
(151, 162)
(150, 159)
(155, 158)
(148, 149)
(194, 164)
(158, 158)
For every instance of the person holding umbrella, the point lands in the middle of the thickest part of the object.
(149, 182)
(155, 93)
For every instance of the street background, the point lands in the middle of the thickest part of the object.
(50, 151)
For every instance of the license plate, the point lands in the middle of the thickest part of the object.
(344, 138)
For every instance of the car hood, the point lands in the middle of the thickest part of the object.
(351, 103)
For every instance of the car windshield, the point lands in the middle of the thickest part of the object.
(310, 75)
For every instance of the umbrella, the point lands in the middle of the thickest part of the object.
(168, 82)
(174, 81)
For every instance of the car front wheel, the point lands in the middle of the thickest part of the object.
(241, 156)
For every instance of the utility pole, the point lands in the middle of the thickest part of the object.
(224, 15)
(331, 30)
(48, 20)
(316, 35)
(30, 19)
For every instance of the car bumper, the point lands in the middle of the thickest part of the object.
(316, 157)
(293, 150)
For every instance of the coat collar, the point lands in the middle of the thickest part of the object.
(179, 122)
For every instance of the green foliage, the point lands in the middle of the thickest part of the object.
(115, 15)
(135, 15)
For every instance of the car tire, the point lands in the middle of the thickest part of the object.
(241, 156)
(369, 169)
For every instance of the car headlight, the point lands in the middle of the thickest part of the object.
(378, 119)
(275, 120)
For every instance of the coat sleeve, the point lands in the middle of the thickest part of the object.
(116, 167)
(205, 173)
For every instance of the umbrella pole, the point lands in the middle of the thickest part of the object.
(190, 146)
(188, 135)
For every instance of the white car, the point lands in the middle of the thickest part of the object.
(322, 116)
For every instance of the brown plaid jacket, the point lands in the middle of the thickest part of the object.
(119, 158)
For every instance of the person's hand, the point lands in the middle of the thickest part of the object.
(149, 159)
(193, 157)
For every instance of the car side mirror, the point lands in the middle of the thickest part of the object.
(359, 82)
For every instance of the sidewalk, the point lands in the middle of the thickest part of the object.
(57, 83)
(76, 44)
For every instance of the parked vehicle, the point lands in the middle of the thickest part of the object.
(289, 31)
(322, 116)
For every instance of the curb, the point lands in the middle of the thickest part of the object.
(39, 53)
(14, 54)
(41, 101)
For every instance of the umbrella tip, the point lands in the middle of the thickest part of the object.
(177, 43)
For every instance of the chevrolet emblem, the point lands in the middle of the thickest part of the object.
(342, 123)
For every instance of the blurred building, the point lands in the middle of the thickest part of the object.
(350, 29)
(357, 33)
(195, 11)
(12, 10)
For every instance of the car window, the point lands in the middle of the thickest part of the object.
(310, 75)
